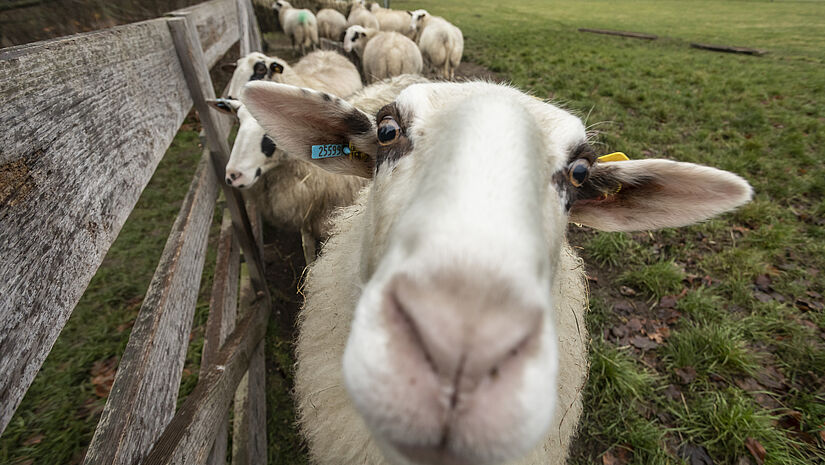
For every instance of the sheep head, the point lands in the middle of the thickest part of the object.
(452, 355)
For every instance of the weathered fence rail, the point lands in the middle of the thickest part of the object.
(87, 119)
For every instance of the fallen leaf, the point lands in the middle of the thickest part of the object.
(626, 291)
(634, 324)
(822, 434)
(756, 449)
(623, 306)
(672, 392)
(686, 374)
(36, 439)
(668, 301)
(762, 297)
(743, 460)
(695, 455)
(763, 282)
(609, 459)
(103, 376)
(642, 342)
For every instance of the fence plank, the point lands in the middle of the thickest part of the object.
(79, 143)
(729, 49)
(249, 424)
(187, 439)
(223, 306)
(197, 75)
(217, 24)
(145, 391)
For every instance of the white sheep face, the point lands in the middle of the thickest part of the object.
(354, 38)
(452, 354)
(253, 67)
(253, 153)
(417, 17)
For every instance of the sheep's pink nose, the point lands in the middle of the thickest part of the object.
(235, 178)
(468, 329)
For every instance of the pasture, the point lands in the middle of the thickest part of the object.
(705, 340)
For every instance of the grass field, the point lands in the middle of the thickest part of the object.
(705, 340)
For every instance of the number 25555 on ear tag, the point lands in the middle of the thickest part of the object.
(329, 151)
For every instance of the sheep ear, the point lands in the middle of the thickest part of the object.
(225, 105)
(650, 194)
(299, 118)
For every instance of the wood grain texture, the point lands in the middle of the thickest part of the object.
(223, 306)
(217, 24)
(86, 119)
(188, 438)
(145, 390)
(632, 35)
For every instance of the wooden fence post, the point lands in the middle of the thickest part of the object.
(194, 67)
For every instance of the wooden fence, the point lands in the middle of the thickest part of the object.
(86, 120)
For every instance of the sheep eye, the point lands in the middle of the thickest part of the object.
(578, 172)
(276, 68)
(388, 131)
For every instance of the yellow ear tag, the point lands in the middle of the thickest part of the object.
(615, 156)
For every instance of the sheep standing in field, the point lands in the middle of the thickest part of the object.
(331, 24)
(383, 54)
(444, 318)
(441, 43)
(288, 193)
(393, 20)
(359, 15)
(300, 25)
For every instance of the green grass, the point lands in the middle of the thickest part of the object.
(657, 279)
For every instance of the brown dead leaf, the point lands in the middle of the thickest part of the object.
(763, 282)
(634, 325)
(642, 342)
(756, 449)
(695, 455)
(627, 291)
(36, 439)
(103, 376)
(822, 433)
(623, 306)
(668, 301)
(609, 459)
(686, 374)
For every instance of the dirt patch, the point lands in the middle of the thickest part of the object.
(468, 71)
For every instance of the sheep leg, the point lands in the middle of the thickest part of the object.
(308, 243)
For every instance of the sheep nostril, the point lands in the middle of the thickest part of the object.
(228, 181)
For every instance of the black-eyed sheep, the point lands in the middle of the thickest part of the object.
(444, 318)
(383, 54)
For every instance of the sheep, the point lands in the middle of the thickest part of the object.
(290, 193)
(322, 70)
(393, 20)
(444, 318)
(300, 26)
(359, 15)
(441, 43)
(331, 24)
(383, 54)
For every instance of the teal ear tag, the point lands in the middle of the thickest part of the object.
(336, 150)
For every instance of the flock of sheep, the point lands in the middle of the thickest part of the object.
(388, 42)
(443, 320)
